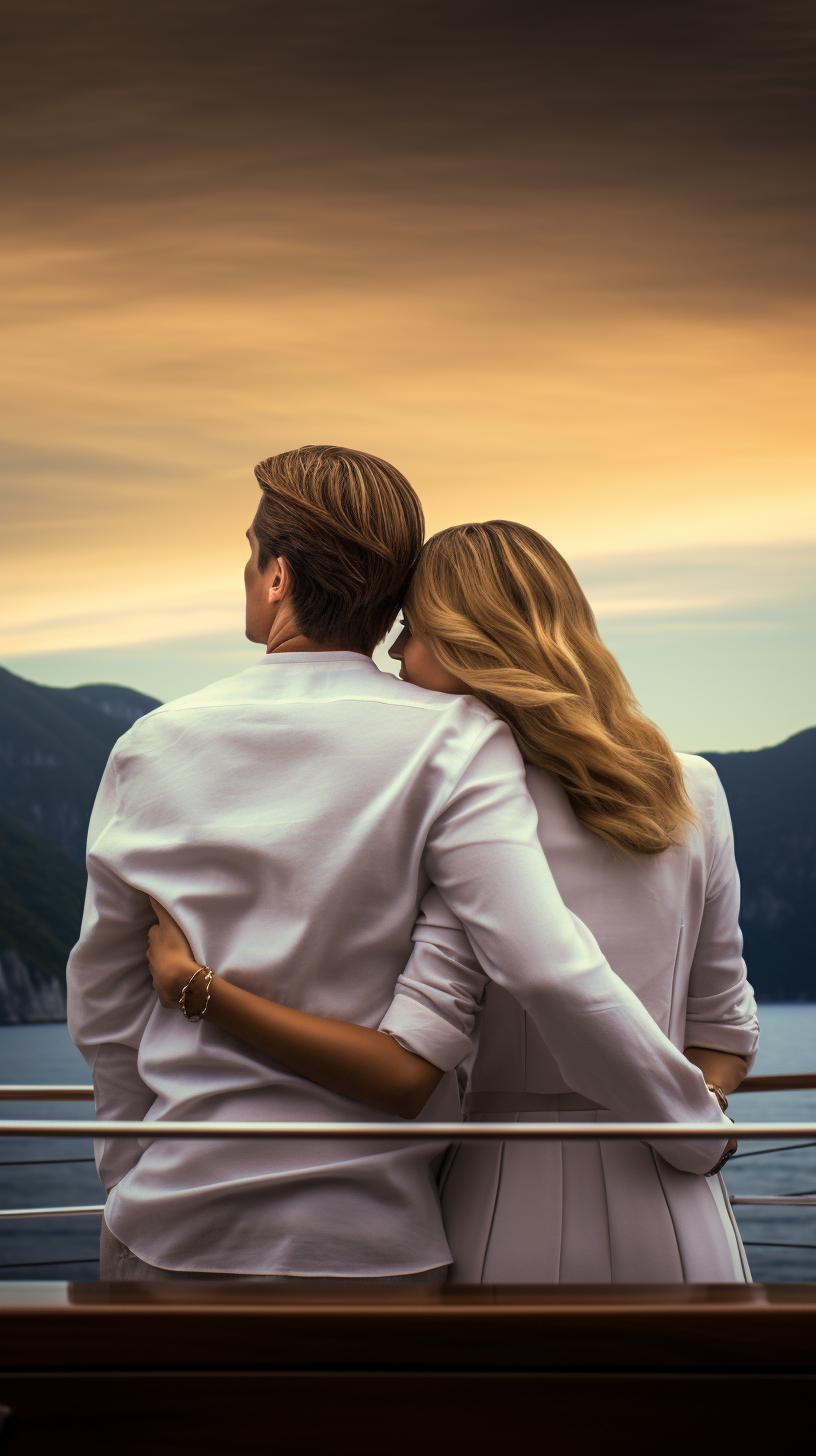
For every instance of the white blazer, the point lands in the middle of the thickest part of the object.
(668, 924)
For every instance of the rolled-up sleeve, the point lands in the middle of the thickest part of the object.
(438, 997)
(721, 1012)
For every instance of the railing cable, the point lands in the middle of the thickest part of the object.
(761, 1152)
(51, 1263)
(45, 1162)
(763, 1244)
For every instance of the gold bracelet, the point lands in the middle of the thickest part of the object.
(719, 1094)
(183, 997)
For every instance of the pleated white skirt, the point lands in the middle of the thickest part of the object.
(583, 1213)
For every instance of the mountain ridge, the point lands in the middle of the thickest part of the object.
(54, 744)
(774, 818)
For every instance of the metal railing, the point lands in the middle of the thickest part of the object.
(74, 1092)
(409, 1131)
(413, 1131)
(70, 1211)
(782, 1082)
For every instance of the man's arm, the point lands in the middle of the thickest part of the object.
(110, 997)
(484, 856)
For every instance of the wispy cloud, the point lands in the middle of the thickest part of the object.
(557, 266)
(723, 585)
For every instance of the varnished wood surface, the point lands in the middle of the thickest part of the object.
(481, 1327)
(402, 1414)
(403, 1370)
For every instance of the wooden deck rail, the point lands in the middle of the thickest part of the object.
(400, 1370)
(404, 1370)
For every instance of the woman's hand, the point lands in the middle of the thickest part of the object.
(169, 957)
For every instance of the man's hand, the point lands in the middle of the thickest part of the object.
(169, 957)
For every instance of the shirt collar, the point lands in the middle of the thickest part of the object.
(320, 659)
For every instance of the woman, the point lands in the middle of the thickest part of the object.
(640, 845)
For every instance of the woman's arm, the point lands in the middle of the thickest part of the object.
(720, 1069)
(355, 1061)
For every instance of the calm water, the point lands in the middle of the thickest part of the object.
(46, 1248)
(34, 1175)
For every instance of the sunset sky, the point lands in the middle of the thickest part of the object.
(553, 261)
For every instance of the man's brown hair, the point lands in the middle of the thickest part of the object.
(350, 528)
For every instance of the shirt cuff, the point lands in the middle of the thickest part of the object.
(425, 1032)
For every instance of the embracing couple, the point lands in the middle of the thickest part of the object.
(487, 890)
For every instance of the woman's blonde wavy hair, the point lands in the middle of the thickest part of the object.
(500, 608)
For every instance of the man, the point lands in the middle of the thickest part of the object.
(291, 819)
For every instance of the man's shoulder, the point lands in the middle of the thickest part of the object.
(386, 686)
(242, 685)
(225, 692)
(458, 721)
(248, 691)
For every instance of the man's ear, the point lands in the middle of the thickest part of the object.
(281, 583)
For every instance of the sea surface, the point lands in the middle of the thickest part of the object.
(48, 1172)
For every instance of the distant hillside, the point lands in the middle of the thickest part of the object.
(772, 796)
(54, 744)
(41, 897)
(124, 705)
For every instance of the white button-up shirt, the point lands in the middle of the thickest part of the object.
(291, 819)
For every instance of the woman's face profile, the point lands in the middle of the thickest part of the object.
(420, 667)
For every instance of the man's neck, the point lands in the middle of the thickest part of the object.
(296, 642)
(286, 636)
